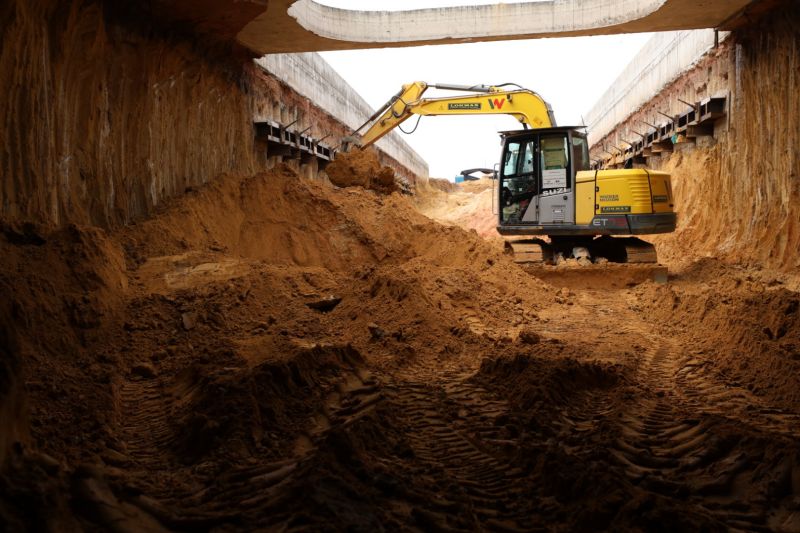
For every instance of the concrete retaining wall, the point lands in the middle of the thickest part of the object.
(661, 61)
(315, 79)
(737, 191)
(101, 121)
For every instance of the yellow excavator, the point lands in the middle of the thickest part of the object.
(545, 186)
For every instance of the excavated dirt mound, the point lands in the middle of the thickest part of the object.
(742, 326)
(440, 184)
(269, 352)
(468, 205)
(206, 336)
(361, 168)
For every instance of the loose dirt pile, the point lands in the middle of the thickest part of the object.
(439, 184)
(743, 325)
(270, 352)
(197, 337)
(468, 205)
(361, 168)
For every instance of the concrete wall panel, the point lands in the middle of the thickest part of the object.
(315, 79)
(661, 61)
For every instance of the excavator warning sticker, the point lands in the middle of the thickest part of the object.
(616, 209)
(464, 106)
(554, 178)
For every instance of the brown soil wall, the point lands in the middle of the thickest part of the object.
(107, 112)
(101, 122)
(737, 194)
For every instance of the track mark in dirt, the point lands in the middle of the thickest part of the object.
(680, 429)
(678, 440)
(703, 391)
(456, 430)
(244, 488)
(585, 413)
(269, 489)
(144, 415)
(355, 396)
(264, 489)
(656, 439)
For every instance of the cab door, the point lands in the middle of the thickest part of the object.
(519, 184)
(557, 196)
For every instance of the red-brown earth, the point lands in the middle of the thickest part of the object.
(270, 352)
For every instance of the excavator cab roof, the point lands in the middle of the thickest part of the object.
(554, 129)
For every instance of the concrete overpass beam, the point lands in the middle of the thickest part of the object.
(306, 25)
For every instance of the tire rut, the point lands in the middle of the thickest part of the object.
(703, 391)
(454, 428)
(679, 439)
(145, 427)
(686, 433)
(265, 488)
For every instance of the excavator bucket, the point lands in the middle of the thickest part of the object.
(349, 141)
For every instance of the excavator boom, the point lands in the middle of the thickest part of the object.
(524, 105)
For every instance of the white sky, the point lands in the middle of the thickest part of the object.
(569, 73)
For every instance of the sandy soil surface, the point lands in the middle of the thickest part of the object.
(467, 204)
(268, 352)
(361, 168)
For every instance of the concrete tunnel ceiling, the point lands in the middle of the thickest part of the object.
(307, 26)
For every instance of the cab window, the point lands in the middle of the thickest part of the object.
(554, 161)
(528, 158)
(519, 184)
(520, 158)
(512, 156)
(580, 153)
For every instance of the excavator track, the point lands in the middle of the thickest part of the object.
(530, 251)
(624, 250)
(613, 249)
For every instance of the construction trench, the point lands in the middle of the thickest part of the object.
(207, 324)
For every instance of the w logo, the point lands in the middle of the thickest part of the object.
(497, 103)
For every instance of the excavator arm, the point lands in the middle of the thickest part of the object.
(524, 105)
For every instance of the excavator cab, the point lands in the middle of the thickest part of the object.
(537, 175)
